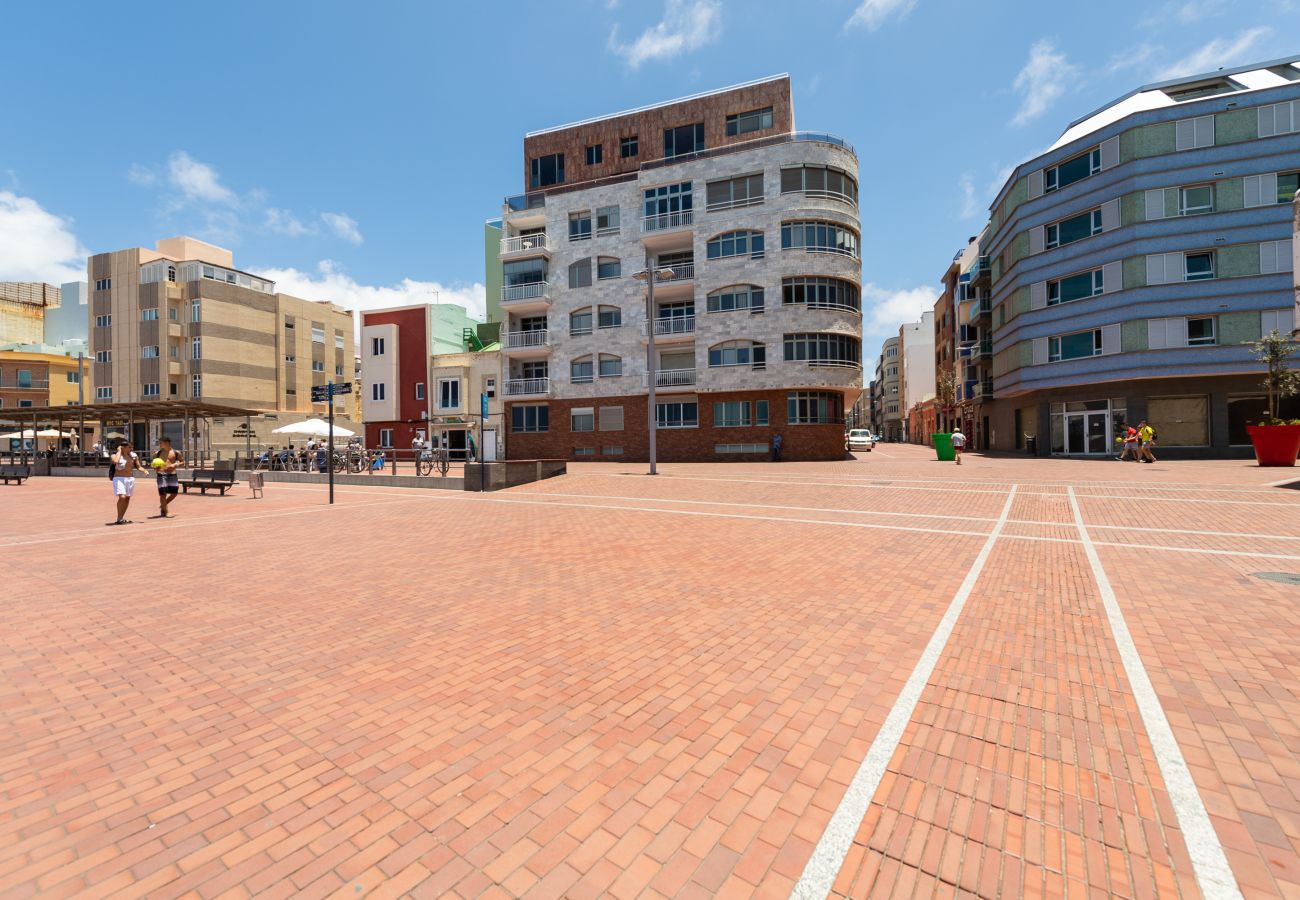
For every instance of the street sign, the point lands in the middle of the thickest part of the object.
(322, 392)
(483, 402)
(342, 388)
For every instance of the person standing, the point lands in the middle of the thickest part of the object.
(124, 464)
(471, 449)
(776, 447)
(958, 444)
(1147, 436)
(169, 484)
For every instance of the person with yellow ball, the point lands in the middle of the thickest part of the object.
(165, 465)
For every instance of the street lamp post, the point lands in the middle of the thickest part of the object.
(659, 274)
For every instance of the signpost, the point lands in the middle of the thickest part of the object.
(324, 393)
(482, 440)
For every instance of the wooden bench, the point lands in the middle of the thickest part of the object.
(13, 472)
(210, 479)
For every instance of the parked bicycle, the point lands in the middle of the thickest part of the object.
(430, 459)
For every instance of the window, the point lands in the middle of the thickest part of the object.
(377, 391)
(521, 272)
(195, 313)
(595, 154)
(449, 393)
(196, 387)
(1074, 229)
(580, 370)
(103, 284)
(580, 322)
(823, 349)
(1199, 266)
(1072, 170)
(821, 182)
(338, 370)
(533, 370)
(608, 267)
(741, 190)
(547, 170)
(376, 346)
(1287, 185)
(103, 356)
(73, 377)
(150, 390)
(821, 293)
(607, 220)
(1074, 287)
(580, 274)
(338, 340)
(736, 243)
(737, 296)
(1194, 200)
(24, 378)
(288, 323)
(611, 451)
(150, 352)
(1074, 346)
(103, 321)
(149, 315)
(317, 334)
(196, 348)
(1200, 331)
(611, 317)
(1192, 134)
(611, 418)
(1278, 118)
(1275, 256)
(627, 147)
(580, 225)
(611, 366)
(684, 139)
(669, 206)
(739, 413)
(819, 237)
(1198, 89)
(738, 353)
(747, 122)
(172, 389)
(814, 408)
(318, 365)
(103, 393)
(582, 419)
(171, 313)
(490, 387)
(677, 414)
(584, 451)
(530, 418)
(290, 359)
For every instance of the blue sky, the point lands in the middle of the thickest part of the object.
(352, 151)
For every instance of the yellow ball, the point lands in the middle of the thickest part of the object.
(158, 463)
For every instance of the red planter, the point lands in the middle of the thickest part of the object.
(1275, 445)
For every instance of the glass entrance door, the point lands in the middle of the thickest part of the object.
(1086, 434)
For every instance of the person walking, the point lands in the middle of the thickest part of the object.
(169, 484)
(776, 447)
(958, 443)
(1130, 449)
(124, 464)
(1147, 438)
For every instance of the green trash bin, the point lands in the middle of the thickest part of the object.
(943, 447)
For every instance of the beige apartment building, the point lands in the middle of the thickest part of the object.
(22, 310)
(180, 322)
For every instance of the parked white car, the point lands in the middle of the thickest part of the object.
(859, 439)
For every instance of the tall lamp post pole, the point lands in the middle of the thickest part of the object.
(650, 274)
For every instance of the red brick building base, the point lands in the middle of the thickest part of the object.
(699, 444)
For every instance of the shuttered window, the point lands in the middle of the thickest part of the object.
(742, 190)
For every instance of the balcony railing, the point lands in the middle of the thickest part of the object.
(524, 244)
(522, 387)
(979, 268)
(674, 325)
(664, 221)
(521, 202)
(522, 340)
(673, 377)
(681, 272)
(534, 290)
(985, 308)
(9, 382)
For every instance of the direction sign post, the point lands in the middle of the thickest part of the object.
(482, 442)
(324, 393)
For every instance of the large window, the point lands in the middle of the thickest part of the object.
(580, 322)
(449, 393)
(377, 390)
(738, 353)
(1074, 287)
(814, 408)
(747, 122)
(1078, 345)
(608, 267)
(1074, 229)
(819, 237)
(524, 271)
(196, 387)
(736, 296)
(1072, 170)
(376, 346)
(547, 170)
(1200, 331)
(611, 366)
(580, 225)
(607, 220)
(628, 147)
(684, 139)
(823, 349)
(736, 243)
(149, 315)
(739, 413)
(821, 293)
(669, 206)
(148, 352)
(1287, 185)
(610, 317)
(820, 181)
(595, 154)
(741, 190)
(1199, 266)
(196, 348)
(530, 418)
(582, 419)
(580, 370)
(1196, 199)
(580, 274)
(677, 414)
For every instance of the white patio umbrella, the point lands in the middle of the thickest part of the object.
(26, 434)
(312, 428)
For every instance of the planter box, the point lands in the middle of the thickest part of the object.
(1275, 445)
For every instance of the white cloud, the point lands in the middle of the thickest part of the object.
(1218, 53)
(1183, 12)
(686, 25)
(142, 175)
(874, 13)
(282, 221)
(331, 282)
(1138, 57)
(37, 245)
(344, 226)
(197, 180)
(1042, 81)
(969, 204)
(884, 310)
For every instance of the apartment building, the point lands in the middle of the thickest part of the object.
(22, 310)
(34, 378)
(1132, 262)
(752, 228)
(889, 377)
(180, 322)
(917, 378)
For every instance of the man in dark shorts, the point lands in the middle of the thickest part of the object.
(168, 479)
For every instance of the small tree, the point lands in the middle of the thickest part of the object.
(1279, 380)
(947, 391)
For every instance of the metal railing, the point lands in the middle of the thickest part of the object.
(524, 243)
(20, 384)
(520, 340)
(534, 290)
(681, 272)
(672, 377)
(674, 325)
(664, 221)
(519, 387)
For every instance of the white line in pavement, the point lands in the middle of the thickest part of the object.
(1158, 547)
(828, 856)
(1209, 862)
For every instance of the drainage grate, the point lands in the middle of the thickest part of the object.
(1284, 577)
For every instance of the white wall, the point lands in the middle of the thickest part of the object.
(918, 361)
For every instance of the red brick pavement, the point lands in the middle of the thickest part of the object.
(608, 685)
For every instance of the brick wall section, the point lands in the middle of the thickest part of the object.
(648, 125)
(799, 442)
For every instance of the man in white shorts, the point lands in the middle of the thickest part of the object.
(125, 463)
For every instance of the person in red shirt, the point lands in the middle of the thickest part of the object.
(1130, 450)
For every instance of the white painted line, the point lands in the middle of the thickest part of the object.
(1209, 862)
(1242, 553)
(828, 856)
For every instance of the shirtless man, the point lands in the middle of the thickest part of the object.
(124, 463)
(168, 480)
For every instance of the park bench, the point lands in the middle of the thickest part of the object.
(214, 479)
(14, 472)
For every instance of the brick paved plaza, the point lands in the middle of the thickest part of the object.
(880, 677)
